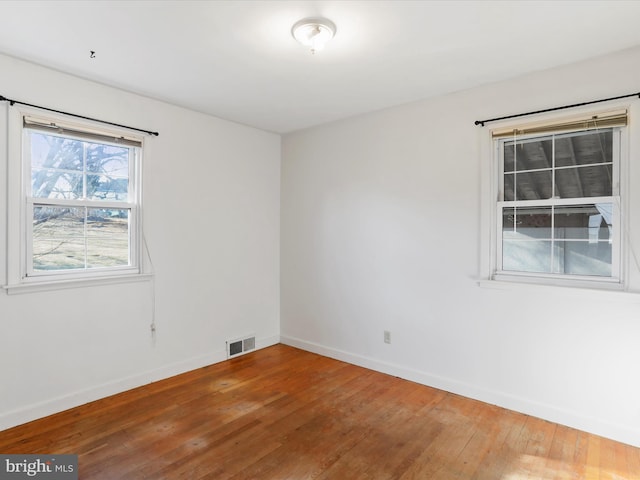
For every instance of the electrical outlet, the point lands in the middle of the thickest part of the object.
(387, 336)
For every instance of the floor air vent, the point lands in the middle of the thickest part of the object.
(240, 345)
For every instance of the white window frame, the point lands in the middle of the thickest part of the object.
(493, 203)
(21, 277)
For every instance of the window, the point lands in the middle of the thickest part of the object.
(558, 200)
(79, 201)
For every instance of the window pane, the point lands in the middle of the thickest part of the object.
(528, 186)
(102, 187)
(526, 255)
(584, 258)
(583, 234)
(58, 238)
(526, 239)
(509, 185)
(108, 159)
(509, 155)
(107, 172)
(48, 151)
(584, 222)
(52, 183)
(584, 148)
(107, 237)
(584, 182)
(532, 154)
(528, 222)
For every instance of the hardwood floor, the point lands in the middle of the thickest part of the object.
(282, 413)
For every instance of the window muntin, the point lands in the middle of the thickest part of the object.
(558, 205)
(81, 203)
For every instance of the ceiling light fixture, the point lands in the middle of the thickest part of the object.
(313, 32)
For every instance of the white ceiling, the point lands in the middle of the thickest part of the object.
(237, 59)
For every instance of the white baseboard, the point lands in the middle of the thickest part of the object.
(267, 342)
(75, 399)
(596, 426)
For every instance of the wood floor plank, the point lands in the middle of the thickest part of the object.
(507, 428)
(283, 413)
(561, 458)
(592, 471)
(633, 463)
(620, 464)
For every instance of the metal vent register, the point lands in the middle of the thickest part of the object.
(240, 346)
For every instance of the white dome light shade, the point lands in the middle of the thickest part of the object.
(314, 32)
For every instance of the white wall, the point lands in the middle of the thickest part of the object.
(383, 228)
(211, 220)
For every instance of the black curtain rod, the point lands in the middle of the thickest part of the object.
(12, 102)
(482, 122)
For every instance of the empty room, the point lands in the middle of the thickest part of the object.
(320, 239)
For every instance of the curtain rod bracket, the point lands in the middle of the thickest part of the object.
(13, 102)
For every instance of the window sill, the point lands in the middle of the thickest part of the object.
(46, 286)
(602, 290)
(583, 282)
